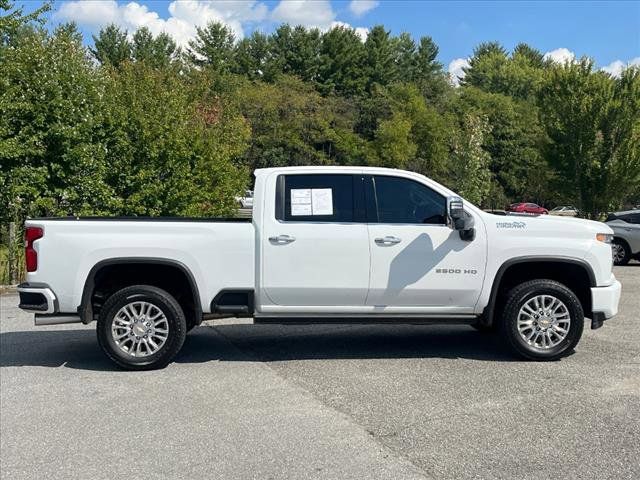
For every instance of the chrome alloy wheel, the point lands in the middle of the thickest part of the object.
(544, 321)
(618, 252)
(140, 329)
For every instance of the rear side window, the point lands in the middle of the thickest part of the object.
(401, 200)
(317, 198)
(634, 218)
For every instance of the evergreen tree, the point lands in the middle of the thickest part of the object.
(380, 67)
(213, 47)
(341, 63)
(111, 46)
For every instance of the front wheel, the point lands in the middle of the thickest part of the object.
(542, 320)
(141, 328)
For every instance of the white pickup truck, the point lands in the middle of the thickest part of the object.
(325, 245)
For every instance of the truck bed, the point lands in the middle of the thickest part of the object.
(72, 246)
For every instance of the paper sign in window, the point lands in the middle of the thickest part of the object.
(311, 201)
(300, 196)
(300, 209)
(322, 201)
(300, 202)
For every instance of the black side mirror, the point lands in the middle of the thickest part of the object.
(455, 211)
(459, 219)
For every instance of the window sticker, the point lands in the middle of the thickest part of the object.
(298, 210)
(311, 201)
(300, 196)
(322, 201)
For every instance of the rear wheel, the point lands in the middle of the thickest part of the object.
(141, 328)
(542, 320)
(620, 251)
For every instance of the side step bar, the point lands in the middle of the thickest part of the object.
(55, 319)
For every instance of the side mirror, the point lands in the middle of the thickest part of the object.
(455, 211)
(459, 219)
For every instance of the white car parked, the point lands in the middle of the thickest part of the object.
(325, 245)
(564, 211)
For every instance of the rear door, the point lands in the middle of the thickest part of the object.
(315, 244)
(416, 259)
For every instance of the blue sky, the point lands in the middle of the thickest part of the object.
(608, 32)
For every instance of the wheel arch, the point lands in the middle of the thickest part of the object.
(85, 309)
(538, 265)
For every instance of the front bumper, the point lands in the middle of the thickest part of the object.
(604, 300)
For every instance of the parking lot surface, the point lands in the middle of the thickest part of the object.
(272, 402)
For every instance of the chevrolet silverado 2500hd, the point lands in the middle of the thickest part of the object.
(326, 244)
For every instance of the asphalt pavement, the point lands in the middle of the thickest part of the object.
(249, 401)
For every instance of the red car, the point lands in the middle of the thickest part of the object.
(530, 208)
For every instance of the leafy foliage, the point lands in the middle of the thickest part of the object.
(136, 126)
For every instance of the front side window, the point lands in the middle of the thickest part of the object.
(315, 198)
(401, 200)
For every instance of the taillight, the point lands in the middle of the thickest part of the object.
(31, 234)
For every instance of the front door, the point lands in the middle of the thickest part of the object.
(315, 246)
(416, 259)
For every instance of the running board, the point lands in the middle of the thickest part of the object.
(41, 320)
(470, 320)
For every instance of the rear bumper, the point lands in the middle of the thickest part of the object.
(37, 298)
(604, 300)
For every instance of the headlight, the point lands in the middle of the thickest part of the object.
(604, 237)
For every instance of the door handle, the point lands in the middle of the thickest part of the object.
(282, 239)
(388, 240)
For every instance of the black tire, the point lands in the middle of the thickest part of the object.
(625, 252)
(177, 327)
(517, 298)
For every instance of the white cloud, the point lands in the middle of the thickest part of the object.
(360, 7)
(456, 72)
(310, 13)
(185, 15)
(616, 68)
(560, 55)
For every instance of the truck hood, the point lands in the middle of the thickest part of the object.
(565, 226)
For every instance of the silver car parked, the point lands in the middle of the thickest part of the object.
(626, 235)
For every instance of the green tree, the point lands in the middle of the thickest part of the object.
(52, 156)
(253, 57)
(170, 145)
(592, 120)
(111, 46)
(341, 63)
(213, 47)
(470, 173)
(515, 142)
(380, 67)
(296, 51)
(405, 50)
(157, 51)
(12, 22)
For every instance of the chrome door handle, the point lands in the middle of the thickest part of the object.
(282, 239)
(388, 240)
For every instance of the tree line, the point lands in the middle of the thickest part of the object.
(135, 125)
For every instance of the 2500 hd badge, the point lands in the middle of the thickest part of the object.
(467, 271)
